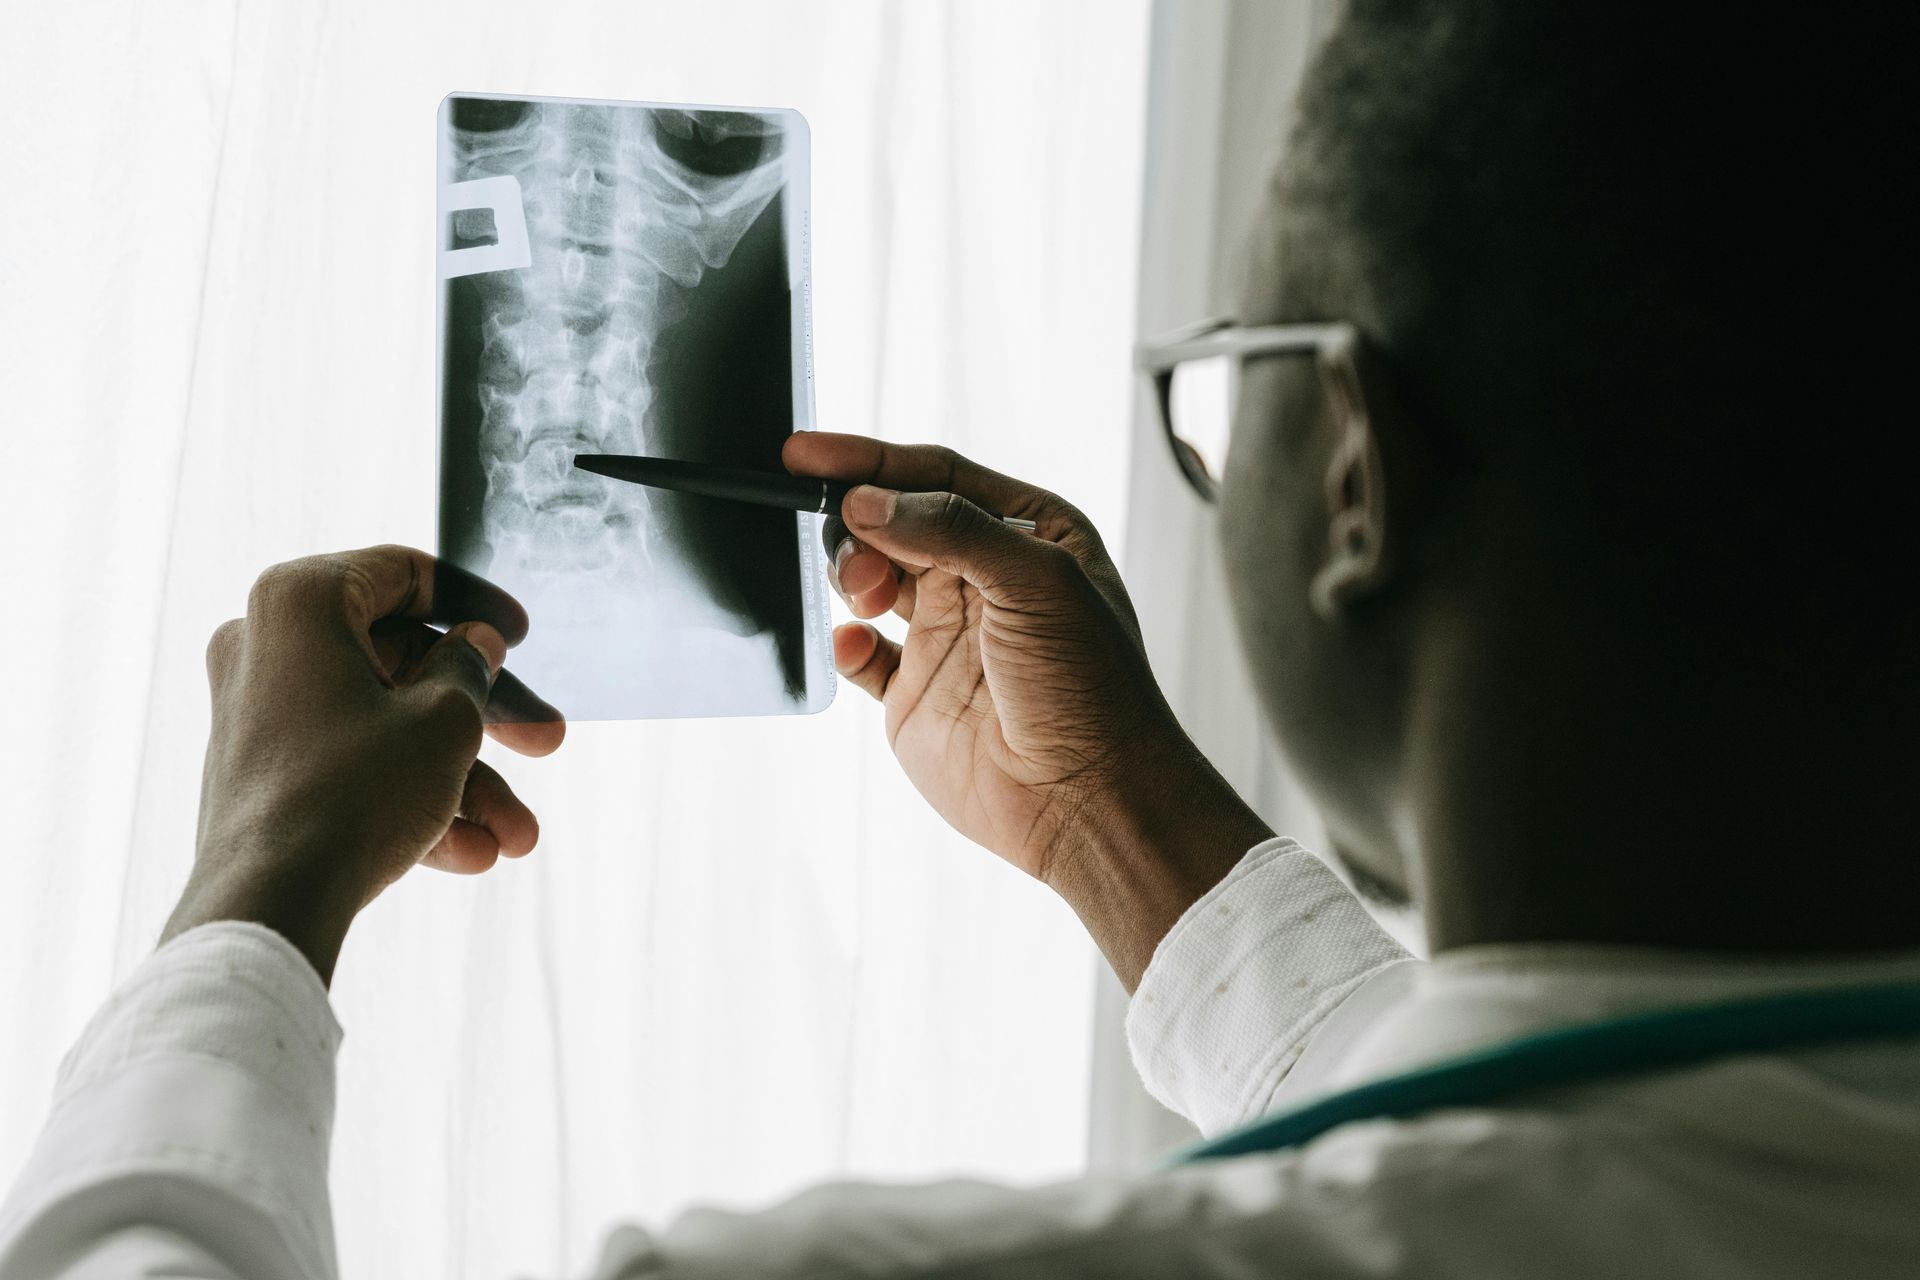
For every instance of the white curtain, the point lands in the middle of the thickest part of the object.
(745, 956)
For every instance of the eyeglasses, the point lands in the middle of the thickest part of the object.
(1196, 380)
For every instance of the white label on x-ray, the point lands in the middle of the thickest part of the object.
(510, 251)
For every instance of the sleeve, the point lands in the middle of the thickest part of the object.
(1246, 978)
(1112, 1228)
(190, 1124)
(1317, 1212)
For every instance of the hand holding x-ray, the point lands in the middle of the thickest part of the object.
(344, 743)
(630, 278)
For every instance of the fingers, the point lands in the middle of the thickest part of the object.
(872, 604)
(453, 679)
(489, 802)
(520, 719)
(865, 579)
(398, 644)
(864, 570)
(467, 849)
(492, 822)
(860, 577)
(387, 595)
(515, 716)
(868, 581)
(865, 657)
(945, 531)
(388, 582)
(457, 595)
(906, 588)
(895, 592)
(915, 466)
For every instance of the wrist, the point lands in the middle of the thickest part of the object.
(1147, 849)
(314, 917)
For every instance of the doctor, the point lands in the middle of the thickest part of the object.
(1572, 586)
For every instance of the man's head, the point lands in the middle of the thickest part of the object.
(1611, 472)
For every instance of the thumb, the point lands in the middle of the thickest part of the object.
(455, 676)
(946, 532)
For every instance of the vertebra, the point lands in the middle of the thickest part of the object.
(618, 228)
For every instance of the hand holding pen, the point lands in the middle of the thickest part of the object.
(735, 484)
(1020, 702)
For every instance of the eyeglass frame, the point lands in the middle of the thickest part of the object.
(1157, 359)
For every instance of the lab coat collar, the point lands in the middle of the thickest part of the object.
(1473, 998)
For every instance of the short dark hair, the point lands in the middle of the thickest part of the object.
(1605, 233)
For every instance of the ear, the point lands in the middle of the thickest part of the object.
(1355, 563)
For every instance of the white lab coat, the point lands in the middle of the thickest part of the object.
(190, 1130)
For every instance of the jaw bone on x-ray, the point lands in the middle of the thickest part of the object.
(630, 278)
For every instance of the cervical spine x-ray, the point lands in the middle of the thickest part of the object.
(630, 278)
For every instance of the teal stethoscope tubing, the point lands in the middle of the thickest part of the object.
(1592, 1051)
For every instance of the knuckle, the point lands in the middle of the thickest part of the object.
(297, 584)
(269, 586)
(951, 514)
(1057, 562)
(1076, 533)
(223, 645)
(392, 557)
(949, 460)
(1059, 517)
(352, 582)
(867, 674)
(1065, 512)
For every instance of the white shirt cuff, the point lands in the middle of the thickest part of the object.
(1244, 978)
(199, 1099)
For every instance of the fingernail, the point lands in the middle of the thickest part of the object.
(843, 553)
(491, 645)
(870, 506)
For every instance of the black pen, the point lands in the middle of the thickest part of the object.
(763, 488)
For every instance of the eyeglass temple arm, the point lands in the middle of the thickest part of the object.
(1157, 355)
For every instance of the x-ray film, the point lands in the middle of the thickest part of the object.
(630, 278)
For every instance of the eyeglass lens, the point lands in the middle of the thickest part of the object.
(1200, 410)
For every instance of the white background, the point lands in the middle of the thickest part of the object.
(744, 956)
